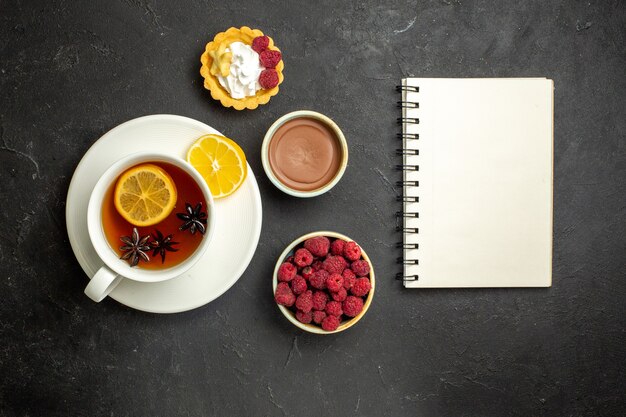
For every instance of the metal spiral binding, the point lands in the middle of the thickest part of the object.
(411, 120)
(401, 260)
(404, 137)
(408, 230)
(414, 136)
(408, 104)
(401, 277)
(407, 152)
(411, 88)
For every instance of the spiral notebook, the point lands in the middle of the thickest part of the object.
(477, 182)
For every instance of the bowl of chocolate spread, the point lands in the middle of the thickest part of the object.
(304, 153)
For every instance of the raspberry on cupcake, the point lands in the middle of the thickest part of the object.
(260, 43)
(270, 59)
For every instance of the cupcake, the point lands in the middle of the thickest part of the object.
(242, 68)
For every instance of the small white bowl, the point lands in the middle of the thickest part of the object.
(311, 328)
(265, 153)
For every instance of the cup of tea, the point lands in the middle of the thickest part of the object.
(150, 218)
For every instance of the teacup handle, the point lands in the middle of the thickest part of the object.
(102, 284)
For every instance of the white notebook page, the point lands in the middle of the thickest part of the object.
(485, 182)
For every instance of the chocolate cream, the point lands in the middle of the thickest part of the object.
(305, 154)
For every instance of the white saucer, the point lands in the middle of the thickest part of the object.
(237, 228)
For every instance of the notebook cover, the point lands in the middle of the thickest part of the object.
(485, 182)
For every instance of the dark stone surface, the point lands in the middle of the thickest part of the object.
(70, 71)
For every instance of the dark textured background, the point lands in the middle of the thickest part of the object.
(70, 71)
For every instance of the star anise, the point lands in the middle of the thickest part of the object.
(193, 218)
(135, 248)
(161, 245)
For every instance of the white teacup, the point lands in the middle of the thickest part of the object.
(115, 269)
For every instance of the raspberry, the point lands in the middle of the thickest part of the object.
(320, 298)
(361, 287)
(286, 272)
(330, 323)
(340, 295)
(298, 285)
(268, 79)
(317, 265)
(352, 306)
(260, 44)
(269, 58)
(282, 287)
(348, 278)
(318, 279)
(307, 271)
(286, 300)
(318, 316)
(304, 317)
(334, 282)
(284, 296)
(303, 258)
(289, 259)
(336, 248)
(318, 245)
(361, 267)
(335, 264)
(304, 301)
(334, 308)
(351, 251)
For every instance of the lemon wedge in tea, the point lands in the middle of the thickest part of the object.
(145, 195)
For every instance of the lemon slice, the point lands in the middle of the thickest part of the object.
(221, 162)
(145, 195)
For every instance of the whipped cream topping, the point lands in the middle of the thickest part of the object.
(245, 69)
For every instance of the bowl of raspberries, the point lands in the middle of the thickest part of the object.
(323, 282)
